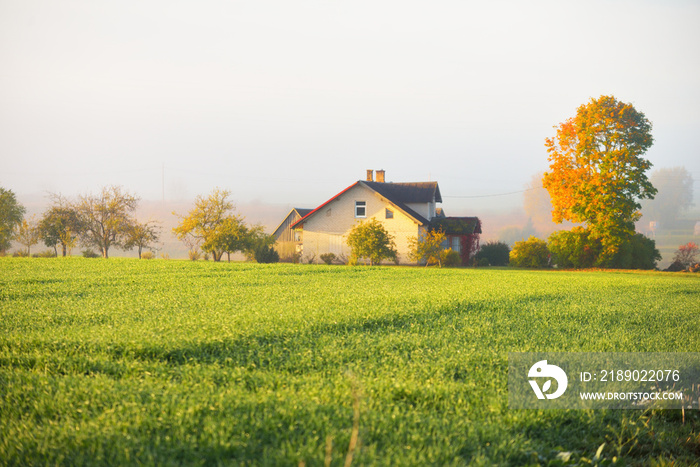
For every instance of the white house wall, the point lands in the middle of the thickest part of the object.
(327, 230)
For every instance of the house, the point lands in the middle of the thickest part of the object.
(405, 209)
(287, 240)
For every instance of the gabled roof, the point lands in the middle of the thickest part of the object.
(418, 192)
(398, 194)
(301, 212)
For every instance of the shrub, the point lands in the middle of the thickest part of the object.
(147, 255)
(372, 241)
(428, 248)
(451, 258)
(328, 258)
(495, 254)
(88, 253)
(530, 253)
(311, 259)
(194, 255)
(265, 254)
(482, 262)
(45, 254)
(20, 254)
(675, 266)
(291, 258)
(574, 248)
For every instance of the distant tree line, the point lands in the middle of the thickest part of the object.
(101, 221)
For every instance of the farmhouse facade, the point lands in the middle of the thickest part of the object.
(405, 209)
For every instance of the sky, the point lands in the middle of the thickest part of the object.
(289, 102)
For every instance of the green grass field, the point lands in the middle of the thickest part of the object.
(158, 362)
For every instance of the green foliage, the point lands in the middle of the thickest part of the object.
(428, 248)
(328, 258)
(578, 248)
(372, 241)
(574, 248)
(11, 214)
(495, 253)
(128, 362)
(639, 252)
(450, 258)
(264, 253)
(60, 225)
(530, 253)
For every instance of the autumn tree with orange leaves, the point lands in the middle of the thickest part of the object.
(597, 172)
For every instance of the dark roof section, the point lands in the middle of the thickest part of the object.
(456, 225)
(418, 192)
(398, 194)
(303, 212)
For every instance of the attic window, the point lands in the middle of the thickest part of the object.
(360, 209)
(389, 213)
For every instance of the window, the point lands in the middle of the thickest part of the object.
(360, 209)
(456, 244)
(389, 213)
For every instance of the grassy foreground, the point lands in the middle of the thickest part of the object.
(170, 362)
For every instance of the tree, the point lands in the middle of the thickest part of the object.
(427, 248)
(597, 173)
(27, 233)
(686, 255)
(232, 235)
(142, 236)
(59, 225)
(674, 197)
(372, 241)
(211, 222)
(260, 246)
(105, 219)
(11, 214)
(530, 253)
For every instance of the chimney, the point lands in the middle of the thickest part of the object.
(370, 175)
(380, 176)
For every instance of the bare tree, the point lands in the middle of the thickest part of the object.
(106, 218)
(27, 233)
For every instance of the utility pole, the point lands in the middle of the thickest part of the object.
(162, 184)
